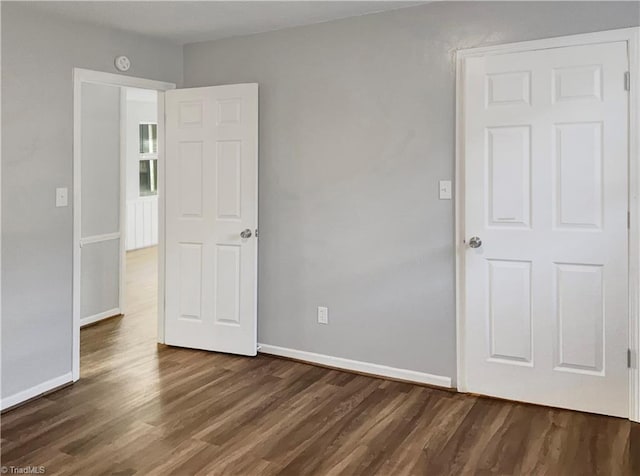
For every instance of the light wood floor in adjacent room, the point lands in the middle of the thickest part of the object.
(143, 408)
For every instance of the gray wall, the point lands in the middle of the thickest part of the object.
(357, 126)
(38, 55)
(356, 129)
(100, 167)
(100, 159)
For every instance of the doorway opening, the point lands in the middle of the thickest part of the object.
(120, 289)
(206, 234)
(118, 257)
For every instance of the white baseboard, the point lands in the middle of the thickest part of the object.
(35, 391)
(98, 317)
(357, 366)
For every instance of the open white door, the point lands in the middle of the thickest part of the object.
(211, 209)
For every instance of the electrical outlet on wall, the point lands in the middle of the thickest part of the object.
(323, 315)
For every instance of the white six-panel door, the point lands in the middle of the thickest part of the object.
(546, 192)
(211, 197)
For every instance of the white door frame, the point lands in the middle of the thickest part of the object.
(632, 37)
(97, 77)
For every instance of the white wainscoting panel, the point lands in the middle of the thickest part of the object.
(142, 222)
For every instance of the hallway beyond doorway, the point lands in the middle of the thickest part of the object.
(136, 329)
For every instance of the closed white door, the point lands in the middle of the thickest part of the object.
(546, 290)
(211, 209)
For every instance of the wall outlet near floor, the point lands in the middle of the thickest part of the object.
(323, 315)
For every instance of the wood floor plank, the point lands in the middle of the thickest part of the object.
(146, 409)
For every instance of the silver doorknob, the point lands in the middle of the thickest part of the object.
(475, 242)
(245, 234)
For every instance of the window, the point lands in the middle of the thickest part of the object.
(148, 159)
(148, 138)
(148, 177)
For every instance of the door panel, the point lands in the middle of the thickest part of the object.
(504, 89)
(546, 190)
(578, 175)
(581, 83)
(190, 262)
(191, 177)
(510, 310)
(211, 197)
(579, 298)
(228, 281)
(509, 164)
(229, 179)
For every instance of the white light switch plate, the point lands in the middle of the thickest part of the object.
(445, 189)
(62, 197)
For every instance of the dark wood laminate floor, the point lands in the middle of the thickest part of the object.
(143, 408)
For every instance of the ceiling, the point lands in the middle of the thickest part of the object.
(188, 22)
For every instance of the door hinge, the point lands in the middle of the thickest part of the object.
(256, 233)
(628, 220)
(627, 81)
(629, 359)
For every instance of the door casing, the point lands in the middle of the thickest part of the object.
(632, 37)
(81, 76)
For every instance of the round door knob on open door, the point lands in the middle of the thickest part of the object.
(245, 234)
(475, 242)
